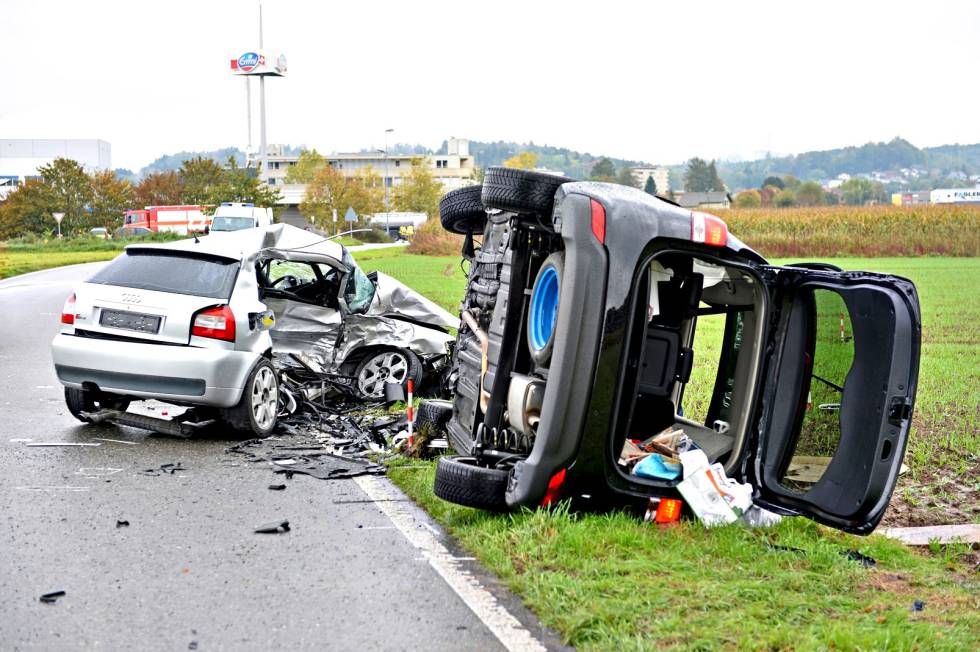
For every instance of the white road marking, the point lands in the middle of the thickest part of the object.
(508, 630)
(118, 441)
(63, 488)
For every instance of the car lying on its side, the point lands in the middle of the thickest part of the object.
(597, 316)
(201, 322)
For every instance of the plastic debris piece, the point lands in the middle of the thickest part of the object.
(394, 392)
(756, 516)
(918, 605)
(120, 524)
(658, 467)
(864, 560)
(273, 528)
(277, 487)
(52, 597)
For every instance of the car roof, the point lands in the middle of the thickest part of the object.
(248, 242)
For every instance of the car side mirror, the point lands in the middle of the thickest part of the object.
(262, 321)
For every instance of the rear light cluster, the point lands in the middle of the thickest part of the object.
(708, 229)
(217, 323)
(598, 221)
(68, 312)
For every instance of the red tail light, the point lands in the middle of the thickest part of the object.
(554, 488)
(217, 323)
(68, 312)
(598, 221)
(708, 229)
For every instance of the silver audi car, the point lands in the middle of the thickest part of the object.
(199, 322)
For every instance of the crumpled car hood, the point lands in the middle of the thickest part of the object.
(395, 299)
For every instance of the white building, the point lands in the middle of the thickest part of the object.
(660, 174)
(455, 169)
(955, 196)
(21, 157)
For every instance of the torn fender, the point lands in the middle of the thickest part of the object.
(397, 299)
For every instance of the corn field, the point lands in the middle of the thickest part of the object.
(941, 230)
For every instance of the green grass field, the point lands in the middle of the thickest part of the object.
(612, 582)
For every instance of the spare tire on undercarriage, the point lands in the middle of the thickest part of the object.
(461, 211)
(462, 481)
(522, 191)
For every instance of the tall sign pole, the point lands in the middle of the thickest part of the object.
(262, 143)
(259, 64)
(385, 184)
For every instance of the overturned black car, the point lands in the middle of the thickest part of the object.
(596, 316)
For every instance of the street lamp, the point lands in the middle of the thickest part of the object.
(385, 183)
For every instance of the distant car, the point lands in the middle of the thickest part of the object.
(132, 232)
(100, 232)
(198, 323)
(579, 338)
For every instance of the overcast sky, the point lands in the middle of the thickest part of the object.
(654, 81)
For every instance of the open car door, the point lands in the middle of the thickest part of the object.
(839, 386)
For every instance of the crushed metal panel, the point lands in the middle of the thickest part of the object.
(372, 330)
(304, 328)
(393, 297)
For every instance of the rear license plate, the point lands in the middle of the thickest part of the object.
(130, 321)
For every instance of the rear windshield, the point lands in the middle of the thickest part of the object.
(171, 272)
(232, 223)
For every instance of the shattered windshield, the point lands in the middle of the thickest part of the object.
(360, 290)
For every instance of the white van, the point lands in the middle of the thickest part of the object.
(233, 216)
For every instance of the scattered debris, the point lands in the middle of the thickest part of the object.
(120, 524)
(277, 487)
(273, 528)
(714, 498)
(164, 468)
(864, 560)
(52, 597)
(918, 605)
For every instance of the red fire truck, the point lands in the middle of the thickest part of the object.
(163, 219)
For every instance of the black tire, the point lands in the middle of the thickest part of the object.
(434, 414)
(85, 400)
(521, 191)
(413, 371)
(542, 355)
(460, 480)
(259, 396)
(461, 211)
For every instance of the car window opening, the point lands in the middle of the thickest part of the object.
(692, 355)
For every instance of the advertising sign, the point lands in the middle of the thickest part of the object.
(259, 63)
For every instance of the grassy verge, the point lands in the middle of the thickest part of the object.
(612, 582)
(13, 263)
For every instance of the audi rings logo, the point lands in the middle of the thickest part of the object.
(129, 297)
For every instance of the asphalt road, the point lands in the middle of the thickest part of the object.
(188, 572)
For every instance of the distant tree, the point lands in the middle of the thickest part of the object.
(159, 189)
(330, 190)
(830, 198)
(603, 170)
(767, 194)
(204, 182)
(625, 177)
(785, 198)
(27, 210)
(418, 192)
(773, 181)
(522, 161)
(748, 199)
(242, 185)
(791, 183)
(858, 190)
(702, 176)
(650, 187)
(69, 191)
(809, 193)
(309, 163)
(111, 197)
